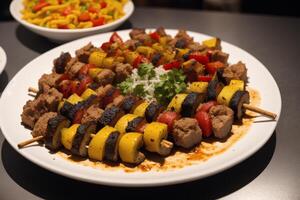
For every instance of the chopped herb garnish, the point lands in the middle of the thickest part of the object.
(171, 84)
(146, 71)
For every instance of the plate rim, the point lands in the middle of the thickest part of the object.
(3, 56)
(171, 181)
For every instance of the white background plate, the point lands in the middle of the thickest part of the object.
(15, 96)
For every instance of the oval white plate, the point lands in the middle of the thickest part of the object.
(15, 96)
(61, 35)
(3, 59)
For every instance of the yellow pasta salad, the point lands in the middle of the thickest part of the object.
(72, 14)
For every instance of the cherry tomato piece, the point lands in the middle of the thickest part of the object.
(204, 122)
(206, 106)
(168, 118)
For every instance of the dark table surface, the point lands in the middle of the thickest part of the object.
(271, 173)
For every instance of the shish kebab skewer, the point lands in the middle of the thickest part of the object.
(246, 106)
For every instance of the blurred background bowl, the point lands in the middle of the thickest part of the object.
(62, 35)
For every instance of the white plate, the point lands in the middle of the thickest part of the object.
(61, 35)
(15, 96)
(3, 59)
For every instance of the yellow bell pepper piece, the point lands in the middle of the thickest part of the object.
(238, 83)
(67, 136)
(96, 58)
(199, 87)
(141, 109)
(176, 102)
(74, 99)
(163, 40)
(122, 123)
(108, 62)
(128, 148)
(130, 57)
(226, 94)
(181, 52)
(87, 93)
(154, 133)
(60, 105)
(96, 148)
(146, 51)
(211, 43)
(158, 47)
(93, 72)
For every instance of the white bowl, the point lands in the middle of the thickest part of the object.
(61, 35)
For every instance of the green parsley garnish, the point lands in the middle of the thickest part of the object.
(171, 84)
(146, 71)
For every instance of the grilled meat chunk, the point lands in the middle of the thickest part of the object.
(45, 102)
(218, 55)
(83, 54)
(122, 71)
(40, 127)
(92, 114)
(222, 119)
(106, 76)
(48, 81)
(61, 62)
(186, 132)
(236, 71)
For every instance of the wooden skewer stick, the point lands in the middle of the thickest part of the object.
(25, 143)
(33, 90)
(260, 111)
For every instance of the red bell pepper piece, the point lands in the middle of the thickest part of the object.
(98, 22)
(203, 59)
(41, 4)
(115, 38)
(206, 106)
(83, 85)
(92, 9)
(172, 65)
(78, 116)
(66, 11)
(204, 78)
(103, 4)
(84, 17)
(62, 78)
(212, 67)
(62, 26)
(204, 122)
(85, 69)
(105, 46)
(137, 61)
(168, 118)
(155, 36)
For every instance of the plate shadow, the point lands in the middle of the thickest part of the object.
(45, 184)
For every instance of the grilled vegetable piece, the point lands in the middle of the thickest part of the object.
(236, 103)
(96, 58)
(154, 135)
(226, 94)
(199, 87)
(213, 89)
(111, 146)
(152, 111)
(176, 102)
(74, 99)
(130, 103)
(168, 117)
(104, 144)
(53, 134)
(238, 83)
(213, 43)
(82, 139)
(141, 109)
(87, 93)
(122, 123)
(67, 135)
(136, 124)
(110, 116)
(129, 148)
(190, 104)
(69, 110)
